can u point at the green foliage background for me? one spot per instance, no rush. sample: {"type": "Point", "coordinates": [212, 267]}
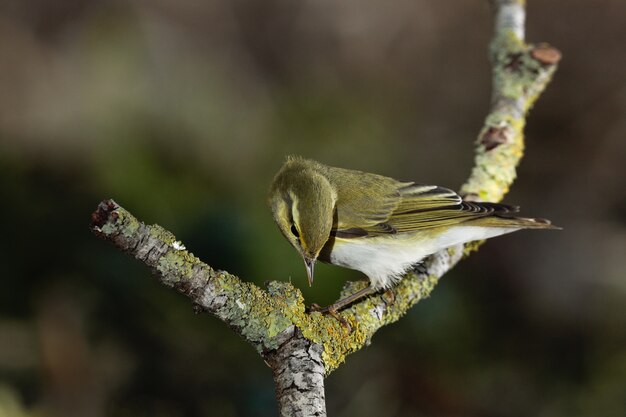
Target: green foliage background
{"type": "Point", "coordinates": [182, 111]}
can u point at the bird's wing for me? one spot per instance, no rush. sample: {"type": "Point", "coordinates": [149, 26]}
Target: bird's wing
{"type": "Point", "coordinates": [413, 207]}
{"type": "Point", "coordinates": [424, 208]}
{"type": "Point", "coordinates": [364, 200]}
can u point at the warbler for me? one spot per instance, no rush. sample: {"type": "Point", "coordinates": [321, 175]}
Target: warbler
{"type": "Point", "coordinates": [376, 224]}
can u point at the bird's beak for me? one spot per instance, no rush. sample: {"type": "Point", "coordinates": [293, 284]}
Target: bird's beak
{"type": "Point", "coordinates": [309, 264]}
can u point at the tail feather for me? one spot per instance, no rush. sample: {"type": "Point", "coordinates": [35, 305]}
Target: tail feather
{"type": "Point", "coordinates": [502, 220]}
{"type": "Point", "coordinates": [503, 215]}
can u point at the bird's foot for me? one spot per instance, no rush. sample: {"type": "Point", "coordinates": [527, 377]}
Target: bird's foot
{"type": "Point", "coordinates": [420, 268]}
{"type": "Point", "coordinates": [389, 296]}
{"type": "Point", "coordinates": [316, 308]}
{"type": "Point", "coordinates": [333, 311]}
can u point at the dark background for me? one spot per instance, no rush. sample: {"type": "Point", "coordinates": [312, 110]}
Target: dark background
{"type": "Point", "coordinates": [183, 110]}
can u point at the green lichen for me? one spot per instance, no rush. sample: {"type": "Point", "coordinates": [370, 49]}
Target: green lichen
{"type": "Point", "coordinates": [533, 93]}
{"type": "Point", "coordinates": [131, 225]}
{"type": "Point", "coordinates": [337, 342]}
{"type": "Point", "coordinates": [505, 42]}
{"type": "Point", "coordinates": [177, 266]}
{"type": "Point", "coordinates": [264, 318]}
{"type": "Point", "coordinates": [121, 222]}
{"type": "Point", "coordinates": [108, 229]}
{"type": "Point", "coordinates": [515, 74]}
{"type": "Point", "coordinates": [250, 309]}
{"type": "Point", "coordinates": [162, 235]}
{"type": "Point", "coordinates": [495, 170]}
{"type": "Point", "coordinates": [259, 315]}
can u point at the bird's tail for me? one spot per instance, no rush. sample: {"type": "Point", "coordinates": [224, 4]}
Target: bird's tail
{"type": "Point", "coordinates": [503, 215]}
{"type": "Point", "coordinates": [516, 222]}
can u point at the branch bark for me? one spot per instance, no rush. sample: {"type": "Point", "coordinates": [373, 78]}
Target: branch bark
{"type": "Point", "coordinates": [302, 348]}
{"type": "Point", "coordinates": [299, 378]}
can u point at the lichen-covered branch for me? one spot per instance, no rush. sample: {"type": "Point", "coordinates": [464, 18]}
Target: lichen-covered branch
{"type": "Point", "coordinates": [520, 72]}
{"type": "Point", "coordinates": [303, 347]}
{"type": "Point", "coordinates": [265, 318]}
{"type": "Point", "coordinates": [257, 315]}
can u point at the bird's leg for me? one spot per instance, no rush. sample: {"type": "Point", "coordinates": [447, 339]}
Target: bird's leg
{"type": "Point", "coordinates": [316, 308]}
{"type": "Point", "coordinates": [334, 308]}
{"type": "Point", "coordinates": [340, 319]}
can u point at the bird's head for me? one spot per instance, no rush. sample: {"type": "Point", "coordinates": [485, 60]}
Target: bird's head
{"type": "Point", "coordinates": [303, 204]}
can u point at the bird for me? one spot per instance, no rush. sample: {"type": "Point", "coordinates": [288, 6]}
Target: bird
{"type": "Point", "coordinates": [376, 224]}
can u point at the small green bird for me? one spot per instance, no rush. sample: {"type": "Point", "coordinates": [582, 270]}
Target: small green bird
{"type": "Point", "coordinates": [375, 224]}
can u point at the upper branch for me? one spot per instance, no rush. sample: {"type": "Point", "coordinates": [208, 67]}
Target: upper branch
{"type": "Point", "coordinates": [520, 72]}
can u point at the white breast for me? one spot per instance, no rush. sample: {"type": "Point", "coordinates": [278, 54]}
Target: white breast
{"type": "Point", "coordinates": [385, 259]}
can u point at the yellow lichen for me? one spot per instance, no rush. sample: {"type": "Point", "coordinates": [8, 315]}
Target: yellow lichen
{"type": "Point", "coordinates": [471, 247]}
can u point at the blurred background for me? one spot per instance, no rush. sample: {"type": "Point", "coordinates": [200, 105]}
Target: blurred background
{"type": "Point", "coordinates": [183, 110]}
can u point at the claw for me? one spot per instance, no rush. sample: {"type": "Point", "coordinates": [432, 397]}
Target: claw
{"type": "Point", "coordinates": [341, 320]}
{"type": "Point", "coordinates": [389, 296]}
{"type": "Point", "coordinates": [331, 311]}
{"type": "Point", "coordinates": [316, 308]}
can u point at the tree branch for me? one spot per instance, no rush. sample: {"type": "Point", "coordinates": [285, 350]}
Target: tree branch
{"type": "Point", "coordinates": [304, 347]}
{"type": "Point", "coordinates": [299, 378]}
{"type": "Point", "coordinates": [520, 73]}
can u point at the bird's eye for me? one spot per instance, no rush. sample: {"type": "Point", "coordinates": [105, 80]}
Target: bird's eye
{"type": "Point", "coordinates": [294, 230]}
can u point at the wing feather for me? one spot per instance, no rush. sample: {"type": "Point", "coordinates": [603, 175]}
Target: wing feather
{"type": "Point", "coordinates": [363, 199]}
{"type": "Point", "coordinates": [413, 207]}
{"type": "Point", "coordinates": [422, 197]}
{"type": "Point", "coordinates": [374, 205]}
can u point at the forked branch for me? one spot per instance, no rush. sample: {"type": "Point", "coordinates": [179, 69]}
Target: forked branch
{"type": "Point", "coordinates": [302, 347]}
